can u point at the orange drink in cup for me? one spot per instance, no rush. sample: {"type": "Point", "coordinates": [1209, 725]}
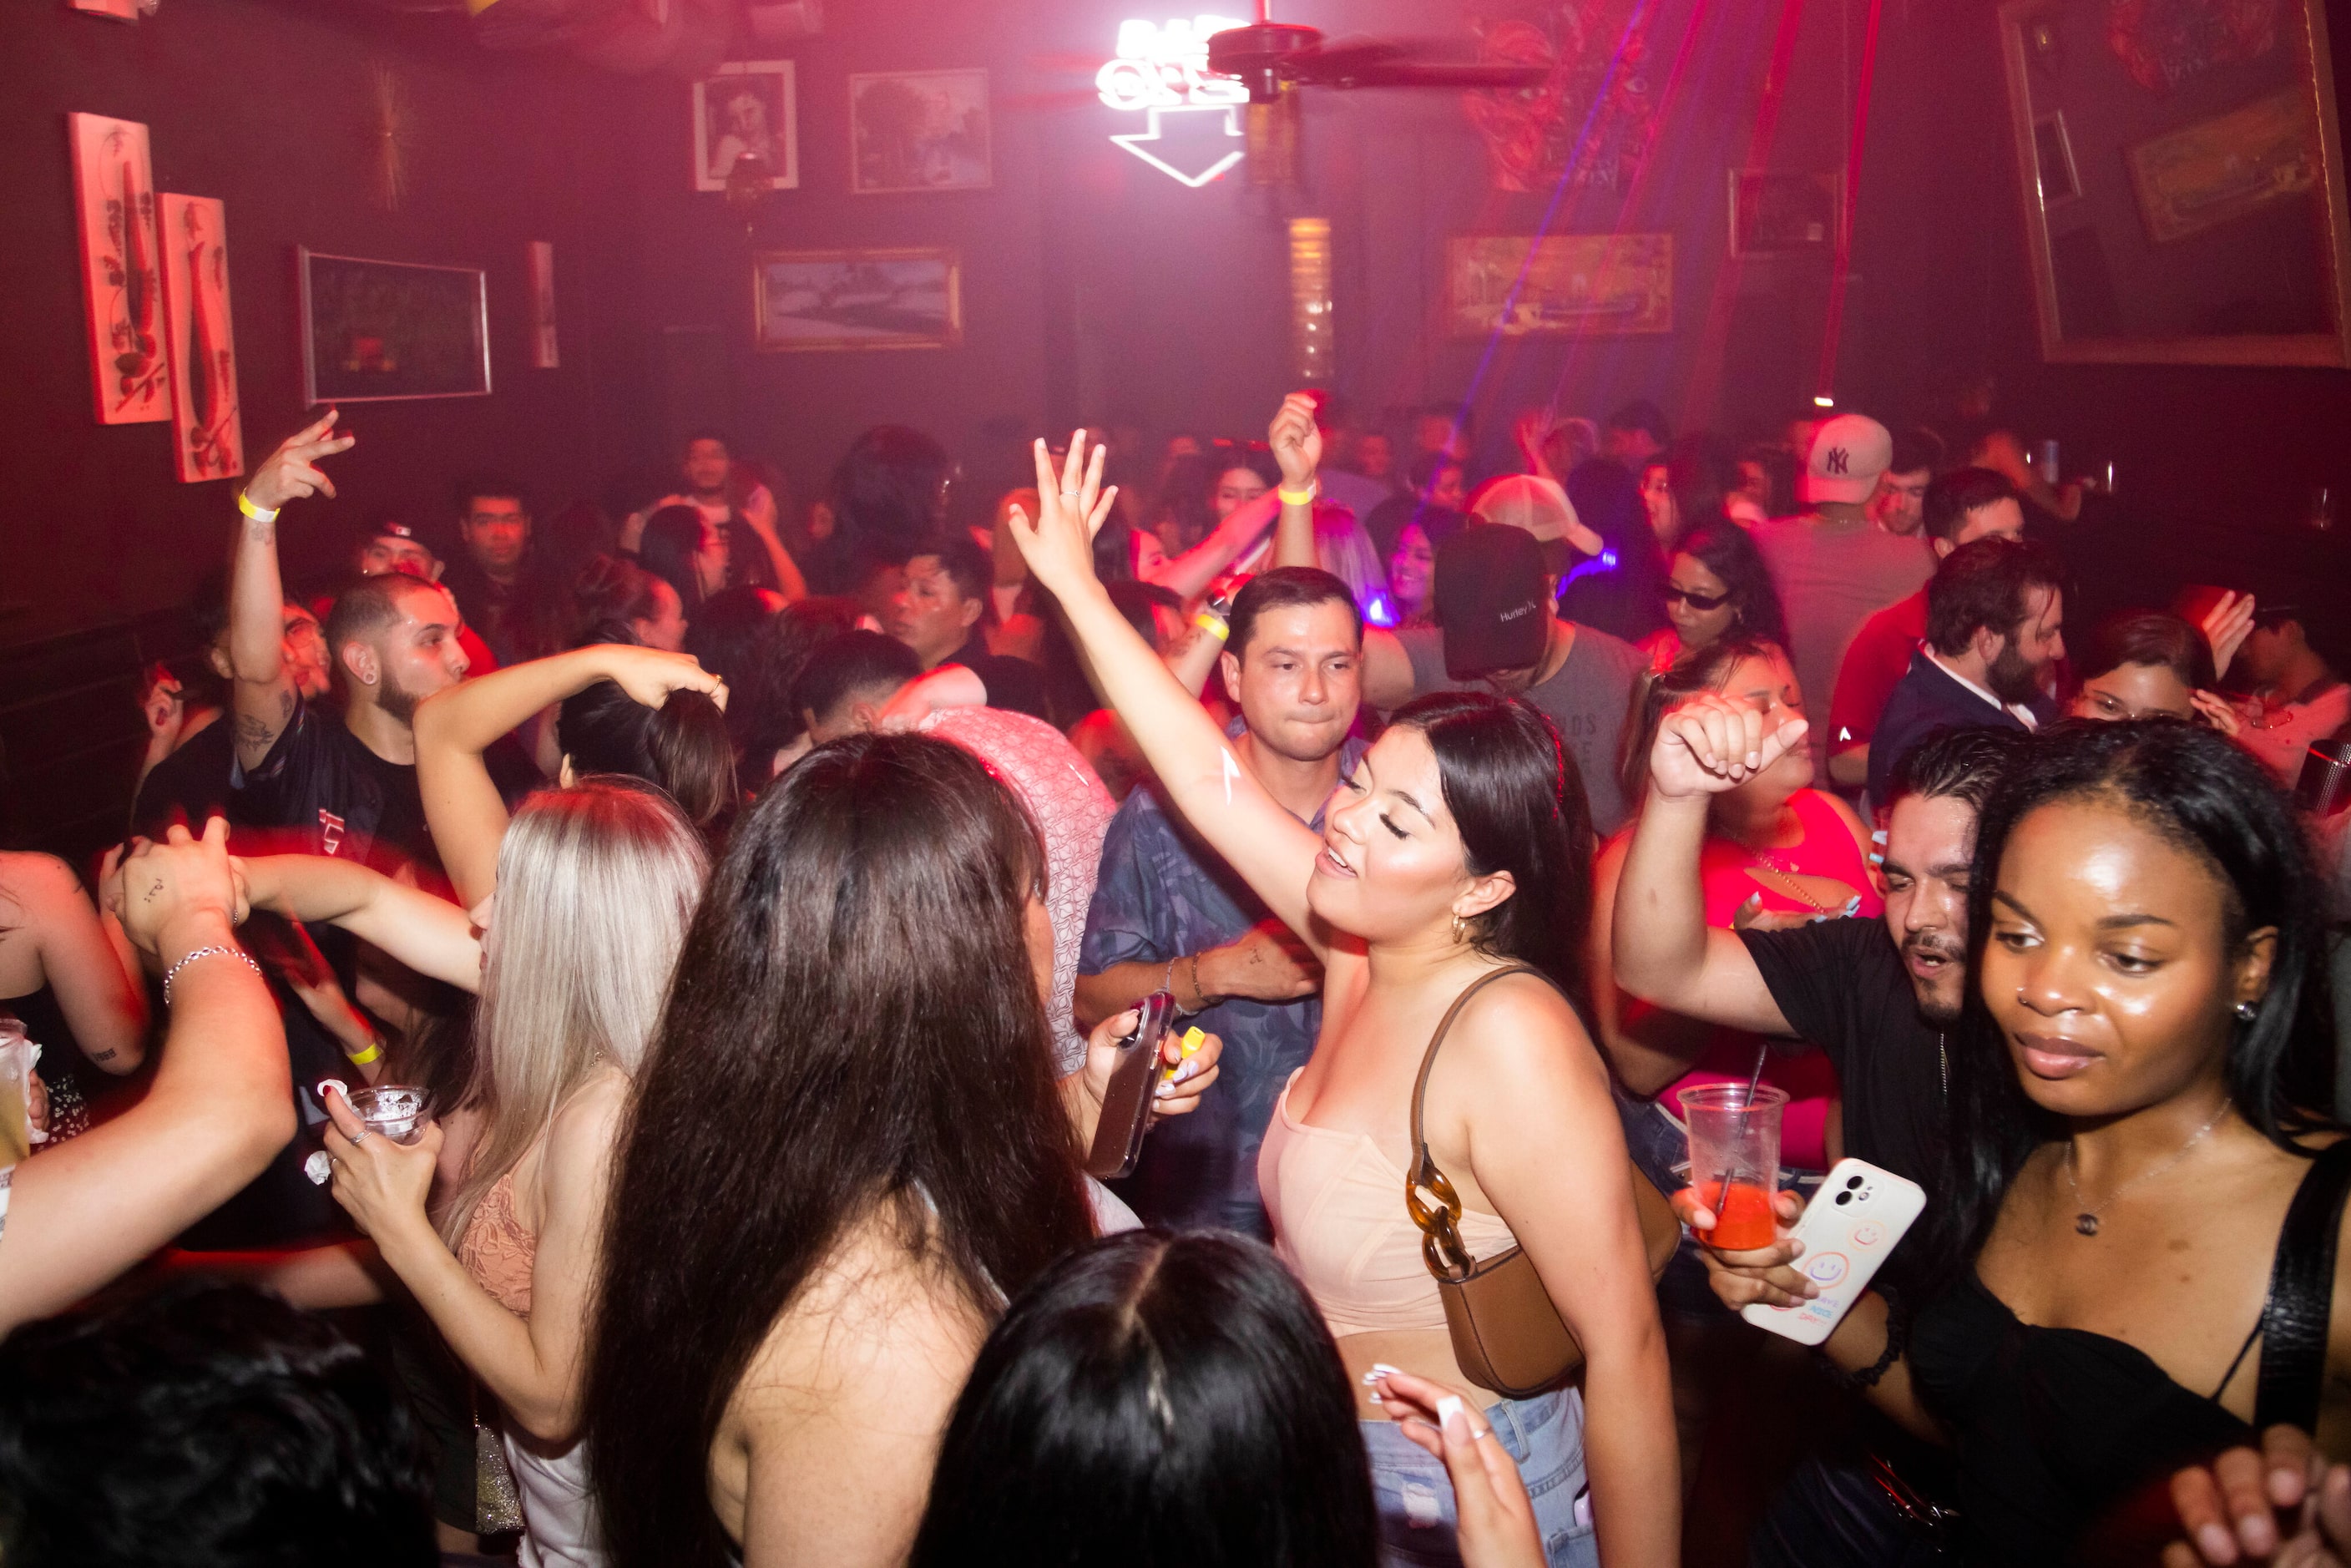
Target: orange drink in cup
{"type": "Point", "coordinates": [1734, 1148]}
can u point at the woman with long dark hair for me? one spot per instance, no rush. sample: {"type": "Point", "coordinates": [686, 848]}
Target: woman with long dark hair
{"type": "Point", "coordinates": [1716, 586]}
{"type": "Point", "coordinates": [1159, 1401]}
{"type": "Point", "coordinates": [847, 1149]}
{"type": "Point", "coordinates": [2133, 1266]}
{"type": "Point", "coordinates": [1455, 855]}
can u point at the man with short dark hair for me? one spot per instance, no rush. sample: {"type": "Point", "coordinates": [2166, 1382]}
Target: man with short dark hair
{"type": "Point", "coordinates": [1833, 567]}
{"type": "Point", "coordinates": [493, 579]}
{"type": "Point", "coordinates": [1878, 998]}
{"type": "Point", "coordinates": [1959, 509]}
{"type": "Point", "coordinates": [939, 611]}
{"type": "Point", "coordinates": [394, 546]}
{"type": "Point", "coordinates": [1995, 630]}
{"type": "Point", "coordinates": [1899, 504]}
{"type": "Point", "coordinates": [1634, 433]}
{"type": "Point", "coordinates": [737, 516]}
{"type": "Point", "coordinates": [2300, 698]}
{"type": "Point", "coordinates": [848, 681]}
{"type": "Point", "coordinates": [1168, 914]}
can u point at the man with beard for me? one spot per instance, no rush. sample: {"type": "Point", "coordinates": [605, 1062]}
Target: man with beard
{"type": "Point", "coordinates": [1995, 630]}
{"type": "Point", "coordinates": [345, 783]}
{"type": "Point", "coordinates": [1877, 1000]}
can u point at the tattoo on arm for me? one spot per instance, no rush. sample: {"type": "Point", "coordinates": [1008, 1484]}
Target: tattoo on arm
{"type": "Point", "coordinates": [254, 730]}
{"type": "Point", "coordinates": [101, 1055]}
{"type": "Point", "coordinates": [258, 532]}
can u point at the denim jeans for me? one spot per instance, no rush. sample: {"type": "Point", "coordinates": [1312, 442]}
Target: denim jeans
{"type": "Point", "coordinates": [1414, 1496]}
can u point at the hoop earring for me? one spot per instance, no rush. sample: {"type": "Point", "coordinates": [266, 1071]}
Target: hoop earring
{"type": "Point", "coordinates": [1460, 930]}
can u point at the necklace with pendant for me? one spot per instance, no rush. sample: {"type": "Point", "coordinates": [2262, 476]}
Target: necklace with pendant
{"type": "Point", "coordinates": [2086, 1221]}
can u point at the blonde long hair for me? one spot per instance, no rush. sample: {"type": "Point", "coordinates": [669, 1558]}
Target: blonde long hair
{"type": "Point", "coordinates": [596, 884]}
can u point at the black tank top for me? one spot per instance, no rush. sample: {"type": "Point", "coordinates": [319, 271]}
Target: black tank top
{"type": "Point", "coordinates": [2055, 1428]}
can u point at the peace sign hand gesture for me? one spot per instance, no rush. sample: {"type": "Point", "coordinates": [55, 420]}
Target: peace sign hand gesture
{"type": "Point", "coordinates": [1059, 545]}
{"type": "Point", "coordinates": [291, 472]}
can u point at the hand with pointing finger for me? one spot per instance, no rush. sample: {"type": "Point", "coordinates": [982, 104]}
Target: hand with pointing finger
{"type": "Point", "coordinates": [291, 472]}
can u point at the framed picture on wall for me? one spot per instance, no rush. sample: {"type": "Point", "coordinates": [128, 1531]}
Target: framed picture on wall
{"type": "Point", "coordinates": [747, 112]}
{"type": "Point", "coordinates": [207, 434]}
{"type": "Point", "coordinates": [1593, 285]}
{"type": "Point", "coordinates": [378, 331]}
{"type": "Point", "coordinates": [832, 299]}
{"type": "Point", "coordinates": [1783, 215]}
{"type": "Point", "coordinates": [919, 130]}
{"type": "Point", "coordinates": [122, 290]}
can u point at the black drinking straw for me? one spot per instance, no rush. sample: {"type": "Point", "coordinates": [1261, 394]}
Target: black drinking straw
{"type": "Point", "coordinates": [1722, 1194]}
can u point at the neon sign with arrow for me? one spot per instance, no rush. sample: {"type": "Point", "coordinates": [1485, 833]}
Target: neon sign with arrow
{"type": "Point", "coordinates": [1161, 70]}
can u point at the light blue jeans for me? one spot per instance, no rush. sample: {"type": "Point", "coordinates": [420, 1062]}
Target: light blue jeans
{"type": "Point", "coordinates": [1414, 1496]}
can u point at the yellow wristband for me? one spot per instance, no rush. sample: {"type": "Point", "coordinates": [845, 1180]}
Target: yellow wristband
{"type": "Point", "coordinates": [258, 514]}
{"type": "Point", "coordinates": [1290, 497]}
{"type": "Point", "coordinates": [374, 1049]}
{"type": "Point", "coordinates": [1213, 625]}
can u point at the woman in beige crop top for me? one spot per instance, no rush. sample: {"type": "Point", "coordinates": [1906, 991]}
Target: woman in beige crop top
{"type": "Point", "coordinates": [595, 885]}
{"type": "Point", "coordinates": [1461, 843]}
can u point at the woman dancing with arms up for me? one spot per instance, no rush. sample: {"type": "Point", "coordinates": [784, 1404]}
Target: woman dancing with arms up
{"type": "Point", "coordinates": [1460, 848]}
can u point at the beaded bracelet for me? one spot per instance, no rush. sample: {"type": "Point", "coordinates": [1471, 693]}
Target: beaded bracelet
{"type": "Point", "coordinates": [172, 974]}
{"type": "Point", "coordinates": [1898, 1340]}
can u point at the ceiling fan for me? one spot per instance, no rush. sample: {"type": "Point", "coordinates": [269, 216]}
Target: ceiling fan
{"type": "Point", "coordinates": [1268, 56]}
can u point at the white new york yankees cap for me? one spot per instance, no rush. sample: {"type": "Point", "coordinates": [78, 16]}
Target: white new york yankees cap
{"type": "Point", "coordinates": [1848, 453]}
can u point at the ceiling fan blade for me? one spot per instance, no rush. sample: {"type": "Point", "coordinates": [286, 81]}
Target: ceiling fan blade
{"type": "Point", "coordinates": [1406, 73]}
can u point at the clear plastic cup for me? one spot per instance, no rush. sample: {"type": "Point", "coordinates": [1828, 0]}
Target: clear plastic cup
{"type": "Point", "coordinates": [1734, 1148]}
{"type": "Point", "coordinates": [392, 1109]}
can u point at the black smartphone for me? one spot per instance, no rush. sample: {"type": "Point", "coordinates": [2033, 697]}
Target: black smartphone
{"type": "Point", "coordinates": [1134, 1085]}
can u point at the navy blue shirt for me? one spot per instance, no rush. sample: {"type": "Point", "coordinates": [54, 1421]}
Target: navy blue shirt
{"type": "Point", "coordinates": [1929, 698]}
{"type": "Point", "coordinates": [1162, 892]}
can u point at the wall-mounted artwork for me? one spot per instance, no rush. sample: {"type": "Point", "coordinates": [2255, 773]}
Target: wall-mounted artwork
{"type": "Point", "coordinates": [857, 300]}
{"type": "Point", "coordinates": [544, 354]}
{"type": "Point", "coordinates": [1783, 215]}
{"type": "Point", "coordinates": [1595, 285]}
{"type": "Point", "coordinates": [1591, 121]}
{"type": "Point", "coordinates": [374, 332]}
{"type": "Point", "coordinates": [207, 434]}
{"type": "Point", "coordinates": [2221, 168]}
{"type": "Point", "coordinates": [746, 111]}
{"type": "Point", "coordinates": [919, 130]}
{"type": "Point", "coordinates": [114, 196]}
{"type": "Point", "coordinates": [2180, 168]}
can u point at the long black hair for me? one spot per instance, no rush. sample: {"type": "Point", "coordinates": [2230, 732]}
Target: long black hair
{"type": "Point", "coordinates": [1728, 551]}
{"type": "Point", "coordinates": [854, 1031]}
{"type": "Point", "coordinates": [1518, 800]}
{"type": "Point", "coordinates": [2200, 792]}
{"type": "Point", "coordinates": [1156, 1401]}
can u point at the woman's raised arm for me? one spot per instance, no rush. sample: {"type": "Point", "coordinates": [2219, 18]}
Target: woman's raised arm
{"type": "Point", "coordinates": [1273, 851]}
{"type": "Point", "coordinates": [430, 936]}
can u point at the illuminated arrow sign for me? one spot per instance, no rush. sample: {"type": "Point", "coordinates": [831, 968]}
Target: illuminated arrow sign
{"type": "Point", "coordinates": [1170, 155]}
{"type": "Point", "coordinates": [1162, 69]}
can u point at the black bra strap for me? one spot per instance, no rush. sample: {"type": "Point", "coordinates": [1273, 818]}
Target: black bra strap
{"type": "Point", "coordinates": [2301, 1295]}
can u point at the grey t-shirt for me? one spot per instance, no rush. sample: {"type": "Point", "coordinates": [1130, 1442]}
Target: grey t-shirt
{"type": "Point", "coordinates": [1833, 576]}
{"type": "Point", "coordinates": [1587, 697]}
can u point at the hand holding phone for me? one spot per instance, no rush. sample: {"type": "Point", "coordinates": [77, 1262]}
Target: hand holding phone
{"type": "Point", "coordinates": [1848, 1231]}
{"type": "Point", "coordinates": [1133, 1086]}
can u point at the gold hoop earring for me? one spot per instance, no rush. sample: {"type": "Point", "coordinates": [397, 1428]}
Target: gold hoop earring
{"type": "Point", "coordinates": [1461, 931]}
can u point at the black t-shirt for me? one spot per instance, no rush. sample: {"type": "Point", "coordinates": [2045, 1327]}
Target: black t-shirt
{"type": "Point", "coordinates": [1015, 685]}
{"type": "Point", "coordinates": [191, 785]}
{"type": "Point", "coordinates": [1842, 986]}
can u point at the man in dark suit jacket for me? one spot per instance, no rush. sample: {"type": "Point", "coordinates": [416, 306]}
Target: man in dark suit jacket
{"type": "Point", "coordinates": [1995, 630]}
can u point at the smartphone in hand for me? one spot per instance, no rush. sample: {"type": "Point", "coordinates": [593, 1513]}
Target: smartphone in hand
{"type": "Point", "coordinates": [1848, 1230]}
{"type": "Point", "coordinates": [1133, 1086]}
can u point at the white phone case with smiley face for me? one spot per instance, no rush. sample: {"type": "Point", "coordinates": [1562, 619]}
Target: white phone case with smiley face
{"type": "Point", "coordinates": [1848, 1230]}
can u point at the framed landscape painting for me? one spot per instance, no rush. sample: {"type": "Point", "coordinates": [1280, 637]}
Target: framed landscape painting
{"type": "Point", "coordinates": [374, 332]}
{"type": "Point", "coordinates": [919, 130]}
{"type": "Point", "coordinates": [819, 300]}
{"type": "Point", "coordinates": [1596, 285]}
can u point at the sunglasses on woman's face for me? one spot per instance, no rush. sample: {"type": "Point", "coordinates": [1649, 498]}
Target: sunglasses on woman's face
{"type": "Point", "coordinates": [1698, 602]}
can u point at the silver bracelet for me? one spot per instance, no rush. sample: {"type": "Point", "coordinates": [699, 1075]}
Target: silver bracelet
{"type": "Point", "coordinates": [239, 954]}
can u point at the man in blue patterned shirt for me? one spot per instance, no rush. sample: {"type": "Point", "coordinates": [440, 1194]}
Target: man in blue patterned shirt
{"type": "Point", "coordinates": [1168, 912]}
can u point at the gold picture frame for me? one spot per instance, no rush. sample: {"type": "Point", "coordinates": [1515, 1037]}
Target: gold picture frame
{"type": "Point", "coordinates": [815, 301]}
{"type": "Point", "coordinates": [1602, 285]}
{"type": "Point", "coordinates": [2174, 168]}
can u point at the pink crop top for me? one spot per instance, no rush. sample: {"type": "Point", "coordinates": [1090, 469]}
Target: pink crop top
{"type": "Point", "coordinates": [1336, 1200]}
{"type": "Point", "coordinates": [496, 1251]}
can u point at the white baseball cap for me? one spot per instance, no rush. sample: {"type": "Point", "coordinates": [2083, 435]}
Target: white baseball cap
{"type": "Point", "coordinates": [1848, 453]}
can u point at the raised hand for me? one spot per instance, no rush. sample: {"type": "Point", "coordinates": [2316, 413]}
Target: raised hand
{"type": "Point", "coordinates": [650, 674]}
{"type": "Point", "coordinates": [1710, 744]}
{"type": "Point", "coordinates": [2225, 627]}
{"type": "Point", "coordinates": [1072, 506]}
{"type": "Point", "coordinates": [1296, 440]}
{"type": "Point", "coordinates": [163, 705]}
{"type": "Point", "coordinates": [2214, 710]}
{"type": "Point", "coordinates": [291, 472]}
